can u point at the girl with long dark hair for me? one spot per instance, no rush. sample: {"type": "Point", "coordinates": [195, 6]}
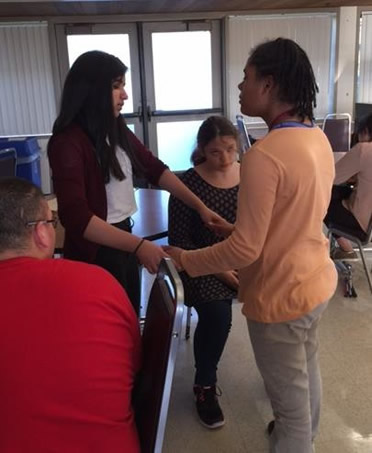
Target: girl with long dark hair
{"type": "Point", "coordinates": [94, 157]}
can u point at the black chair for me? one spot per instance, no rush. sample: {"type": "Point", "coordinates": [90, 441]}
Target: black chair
{"type": "Point", "coordinates": [245, 141]}
{"type": "Point", "coordinates": [160, 338]}
{"type": "Point", "coordinates": [8, 162]}
{"type": "Point", "coordinates": [361, 241]}
{"type": "Point", "coordinates": [337, 128]}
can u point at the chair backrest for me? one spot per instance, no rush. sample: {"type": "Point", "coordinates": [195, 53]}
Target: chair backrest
{"type": "Point", "coordinates": [160, 338]}
{"type": "Point", "coordinates": [369, 232]}
{"type": "Point", "coordinates": [337, 127]}
{"type": "Point", "coordinates": [8, 162]}
{"type": "Point", "coordinates": [245, 141]}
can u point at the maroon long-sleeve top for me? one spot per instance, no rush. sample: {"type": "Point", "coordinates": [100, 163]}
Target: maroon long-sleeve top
{"type": "Point", "coordinates": [79, 185]}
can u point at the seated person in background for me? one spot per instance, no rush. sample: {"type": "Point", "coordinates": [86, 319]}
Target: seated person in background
{"type": "Point", "coordinates": [214, 179]}
{"type": "Point", "coordinates": [69, 340]}
{"type": "Point", "coordinates": [351, 207]}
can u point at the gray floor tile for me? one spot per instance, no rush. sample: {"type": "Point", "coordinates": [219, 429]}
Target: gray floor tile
{"type": "Point", "coordinates": [346, 360]}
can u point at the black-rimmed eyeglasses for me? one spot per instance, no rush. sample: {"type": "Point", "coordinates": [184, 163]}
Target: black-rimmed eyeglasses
{"type": "Point", "coordinates": [53, 221]}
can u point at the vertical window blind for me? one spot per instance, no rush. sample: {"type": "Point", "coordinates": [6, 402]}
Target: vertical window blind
{"type": "Point", "coordinates": [313, 32]}
{"type": "Point", "coordinates": [364, 92]}
{"type": "Point", "coordinates": [28, 104]}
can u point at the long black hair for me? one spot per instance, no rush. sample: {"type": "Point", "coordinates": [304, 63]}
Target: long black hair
{"type": "Point", "coordinates": [87, 101]}
{"type": "Point", "coordinates": [362, 126]}
{"type": "Point", "coordinates": [365, 126]}
{"type": "Point", "coordinates": [292, 72]}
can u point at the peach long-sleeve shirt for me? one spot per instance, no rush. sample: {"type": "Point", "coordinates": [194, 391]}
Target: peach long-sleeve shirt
{"type": "Point", "coordinates": [278, 244]}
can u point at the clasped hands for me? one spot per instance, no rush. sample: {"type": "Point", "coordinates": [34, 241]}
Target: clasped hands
{"type": "Point", "coordinates": [230, 278]}
{"type": "Point", "coordinates": [216, 223]}
{"type": "Point", "coordinates": [175, 254]}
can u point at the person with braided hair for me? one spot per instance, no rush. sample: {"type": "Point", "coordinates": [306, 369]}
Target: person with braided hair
{"type": "Point", "coordinates": [286, 276]}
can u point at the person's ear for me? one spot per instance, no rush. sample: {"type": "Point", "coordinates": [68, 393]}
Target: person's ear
{"type": "Point", "coordinates": [268, 84]}
{"type": "Point", "coordinates": [43, 238]}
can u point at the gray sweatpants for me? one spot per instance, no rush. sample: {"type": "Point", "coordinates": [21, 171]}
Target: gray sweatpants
{"type": "Point", "coordinates": [286, 354]}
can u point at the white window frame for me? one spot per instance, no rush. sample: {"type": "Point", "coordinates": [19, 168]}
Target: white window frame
{"type": "Point", "coordinates": [217, 98]}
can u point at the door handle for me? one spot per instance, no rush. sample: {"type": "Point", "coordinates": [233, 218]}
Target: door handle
{"type": "Point", "coordinates": [149, 113]}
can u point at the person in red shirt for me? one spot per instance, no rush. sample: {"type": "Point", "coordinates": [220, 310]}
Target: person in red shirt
{"type": "Point", "coordinates": [69, 340]}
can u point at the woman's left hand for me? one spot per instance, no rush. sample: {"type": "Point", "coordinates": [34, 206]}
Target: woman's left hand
{"type": "Point", "coordinates": [215, 222]}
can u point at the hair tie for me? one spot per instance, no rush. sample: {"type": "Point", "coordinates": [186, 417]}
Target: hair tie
{"type": "Point", "coordinates": [138, 245]}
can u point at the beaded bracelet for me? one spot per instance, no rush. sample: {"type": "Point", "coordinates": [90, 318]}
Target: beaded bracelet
{"type": "Point", "coordinates": [139, 245]}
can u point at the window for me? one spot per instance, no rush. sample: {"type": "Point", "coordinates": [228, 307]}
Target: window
{"type": "Point", "coordinates": [183, 85]}
{"type": "Point", "coordinates": [364, 77]}
{"type": "Point", "coordinates": [174, 77]}
{"type": "Point", "coordinates": [115, 44]}
{"type": "Point", "coordinates": [186, 83]}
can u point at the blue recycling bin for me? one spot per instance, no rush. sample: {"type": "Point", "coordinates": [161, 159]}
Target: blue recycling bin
{"type": "Point", "coordinates": [8, 161]}
{"type": "Point", "coordinates": [28, 157]}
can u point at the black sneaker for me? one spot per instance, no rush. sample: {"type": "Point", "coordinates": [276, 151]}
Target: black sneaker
{"type": "Point", "coordinates": [209, 411]}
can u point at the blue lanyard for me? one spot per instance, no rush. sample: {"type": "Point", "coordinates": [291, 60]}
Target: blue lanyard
{"type": "Point", "coordinates": [292, 124]}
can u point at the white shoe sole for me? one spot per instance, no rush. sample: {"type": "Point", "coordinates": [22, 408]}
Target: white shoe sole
{"type": "Point", "coordinates": [214, 426]}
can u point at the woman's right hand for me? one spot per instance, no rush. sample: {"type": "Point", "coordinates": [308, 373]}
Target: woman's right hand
{"type": "Point", "coordinates": [230, 278]}
{"type": "Point", "coordinates": [222, 228]}
{"type": "Point", "coordinates": [150, 256]}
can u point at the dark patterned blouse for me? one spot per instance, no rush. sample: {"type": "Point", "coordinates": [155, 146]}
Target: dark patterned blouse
{"type": "Point", "coordinates": [187, 230]}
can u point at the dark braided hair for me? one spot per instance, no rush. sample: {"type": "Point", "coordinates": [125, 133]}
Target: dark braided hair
{"type": "Point", "coordinates": [292, 72]}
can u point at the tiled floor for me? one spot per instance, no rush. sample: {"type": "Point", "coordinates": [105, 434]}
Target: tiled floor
{"type": "Point", "coordinates": [346, 360]}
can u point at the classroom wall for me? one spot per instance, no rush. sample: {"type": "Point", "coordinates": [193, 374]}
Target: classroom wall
{"type": "Point", "coordinates": [345, 71]}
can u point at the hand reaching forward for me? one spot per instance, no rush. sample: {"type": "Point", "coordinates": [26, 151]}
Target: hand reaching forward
{"type": "Point", "coordinates": [150, 256]}
{"type": "Point", "coordinates": [175, 254]}
{"type": "Point", "coordinates": [223, 228]}
{"type": "Point", "coordinates": [215, 222]}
